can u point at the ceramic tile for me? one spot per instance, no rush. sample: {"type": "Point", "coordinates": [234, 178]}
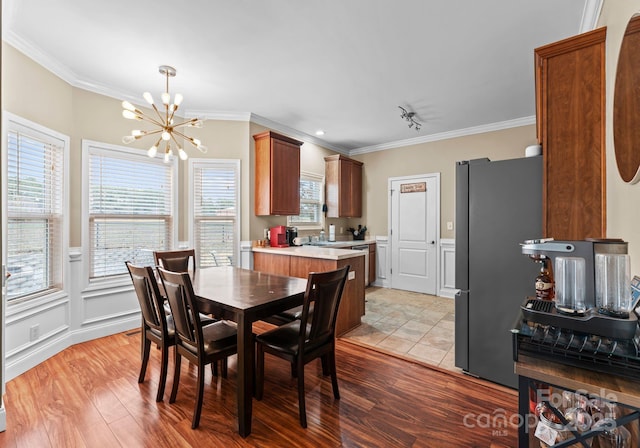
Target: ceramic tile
{"type": "Point", "coordinates": [415, 325]}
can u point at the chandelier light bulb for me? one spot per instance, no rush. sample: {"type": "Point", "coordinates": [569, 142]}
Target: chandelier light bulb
{"type": "Point", "coordinates": [148, 98]}
{"type": "Point", "coordinates": [202, 148]}
{"type": "Point", "coordinates": [183, 155]}
{"type": "Point", "coordinates": [177, 100]}
{"type": "Point", "coordinates": [128, 139]}
{"type": "Point", "coordinates": [195, 123]}
{"type": "Point", "coordinates": [166, 157]}
{"type": "Point", "coordinates": [166, 98]}
{"type": "Point", "coordinates": [128, 106]}
{"type": "Point", "coordinates": [129, 115]}
{"type": "Point", "coordinates": [152, 151]}
{"type": "Point", "coordinates": [166, 136]}
{"type": "Point", "coordinates": [138, 133]}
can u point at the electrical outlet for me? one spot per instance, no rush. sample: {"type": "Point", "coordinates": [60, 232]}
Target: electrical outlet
{"type": "Point", "coordinates": [34, 332]}
{"type": "Point", "coordinates": [341, 230]}
{"type": "Point", "coordinates": [449, 225]}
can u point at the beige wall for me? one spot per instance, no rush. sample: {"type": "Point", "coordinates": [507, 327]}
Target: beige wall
{"type": "Point", "coordinates": [36, 94]}
{"type": "Point", "coordinates": [435, 157]}
{"type": "Point", "coordinates": [623, 200]}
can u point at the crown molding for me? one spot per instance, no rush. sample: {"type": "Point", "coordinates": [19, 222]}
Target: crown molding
{"type": "Point", "coordinates": [218, 115]}
{"type": "Point", "coordinates": [447, 135]}
{"type": "Point", "coordinates": [590, 15]}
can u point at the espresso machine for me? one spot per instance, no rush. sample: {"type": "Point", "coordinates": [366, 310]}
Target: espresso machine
{"type": "Point", "coordinates": [593, 312]}
{"type": "Point", "coordinates": [596, 336]}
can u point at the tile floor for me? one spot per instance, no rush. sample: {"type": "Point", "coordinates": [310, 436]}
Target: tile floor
{"type": "Point", "coordinates": [409, 324]}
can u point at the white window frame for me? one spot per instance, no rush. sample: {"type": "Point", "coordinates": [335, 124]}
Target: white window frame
{"type": "Point", "coordinates": [12, 122]}
{"type": "Point", "coordinates": [234, 164]}
{"type": "Point", "coordinates": [319, 226]}
{"type": "Point", "coordinates": [93, 147]}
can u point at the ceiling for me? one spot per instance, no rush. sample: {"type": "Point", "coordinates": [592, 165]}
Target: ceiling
{"type": "Point", "coordinates": [463, 66]}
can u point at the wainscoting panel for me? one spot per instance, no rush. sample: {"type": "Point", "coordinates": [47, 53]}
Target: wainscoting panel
{"type": "Point", "coordinates": [447, 268]}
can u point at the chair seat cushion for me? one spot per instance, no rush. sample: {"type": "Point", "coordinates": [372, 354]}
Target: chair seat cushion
{"type": "Point", "coordinates": [219, 335]}
{"type": "Point", "coordinates": [294, 313]}
{"type": "Point", "coordinates": [284, 339]}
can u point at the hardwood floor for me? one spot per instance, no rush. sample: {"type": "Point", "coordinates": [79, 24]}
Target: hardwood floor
{"type": "Point", "coordinates": [88, 396]}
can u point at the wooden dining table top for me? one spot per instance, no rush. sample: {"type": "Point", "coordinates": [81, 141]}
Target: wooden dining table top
{"type": "Point", "coordinates": [241, 290]}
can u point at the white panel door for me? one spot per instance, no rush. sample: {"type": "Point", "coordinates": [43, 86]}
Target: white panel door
{"type": "Point", "coordinates": [415, 210]}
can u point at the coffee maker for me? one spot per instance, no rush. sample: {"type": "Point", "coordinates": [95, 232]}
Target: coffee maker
{"type": "Point", "coordinates": [592, 319]}
{"type": "Point", "coordinates": [549, 248]}
{"type": "Point", "coordinates": [278, 237]}
{"type": "Point", "coordinates": [292, 234]}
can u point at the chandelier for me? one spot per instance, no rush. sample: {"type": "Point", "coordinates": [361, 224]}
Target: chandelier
{"type": "Point", "coordinates": [409, 117]}
{"type": "Point", "coordinates": [166, 128]}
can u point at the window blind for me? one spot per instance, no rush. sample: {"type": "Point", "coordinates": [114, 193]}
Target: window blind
{"type": "Point", "coordinates": [34, 185]}
{"type": "Point", "coordinates": [311, 200]}
{"type": "Point", "coordinates": [130, 210]}
{"type": "Point", "coordinates": [215, 213]}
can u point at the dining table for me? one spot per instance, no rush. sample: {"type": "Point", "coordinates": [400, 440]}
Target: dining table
{"type": "Point", "coordinates": [245, 296]}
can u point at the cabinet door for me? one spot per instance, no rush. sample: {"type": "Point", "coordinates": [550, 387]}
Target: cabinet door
{"type": "Point", "coordinates": [570, 82]}
{"type": "Point", "coordinates": [271, 263]}
{"type": "Point", "coordinates": [356, 190]}
{"type": "Point", "coordinates": [285, 178]}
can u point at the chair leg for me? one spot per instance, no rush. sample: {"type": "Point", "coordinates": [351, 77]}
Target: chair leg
{"type": "Point", "coordinates": [259, 386]}
{"type": "Point", "coordinates": [224, 367]}
{"type": "Point", "coordinates": [176, 376]}
{"type": "Point", "coordinates": [199, 397]}
{"type": "Point", "coordinates": [334, 375]}
{"type": "Point", "coordinates": [146, 348]}
{"type": "Point", "coordinates": [326, 368]}
{"type": "Point", "coordinates": [163, 372]}
{"type": "Point", "coordinates": [214, 368]}
{"type": "Point", "coordinates": [301, 402]}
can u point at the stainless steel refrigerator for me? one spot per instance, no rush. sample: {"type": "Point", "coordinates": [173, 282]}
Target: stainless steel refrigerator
{"type": "Point", "coordinates": [498, 206]}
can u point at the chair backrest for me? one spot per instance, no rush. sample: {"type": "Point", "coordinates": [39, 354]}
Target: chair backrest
{"type": "Point", "coordinates": [148, 293]}
{"type": "Point", "coordinates": [181, 298]}
{"type": "Point", "coordinates": [176, 260]}
{"type": "Point", "coordinates": [324, 291]}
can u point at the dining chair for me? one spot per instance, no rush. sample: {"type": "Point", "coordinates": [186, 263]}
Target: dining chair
{"type": "Point", "coordinates": [200, 345]}
{"type": "Point", "coordinates": [176, 260]}
{"type": "Point", "coordinates": [310, 337]}
{"type": "Point", "coordinates": [157, 326]}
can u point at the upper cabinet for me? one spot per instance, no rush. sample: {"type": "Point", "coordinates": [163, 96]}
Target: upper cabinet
{"type": "Point", "coordinates": [570, 108]}
{"type": "Point", "coordinates": [343, 177]}
{"type": "Point", "coordinates": [277, 182]}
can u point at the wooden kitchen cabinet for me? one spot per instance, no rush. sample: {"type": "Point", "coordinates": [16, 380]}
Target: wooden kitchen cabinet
{"type": "Point", "coordinates": [352, 306]}
{"type": "Point", "coordinates": [570, 108]}
{"type": "Point", "coordinates": [277, 174]}
{"type": "Point", "coordinates": [343, 179]}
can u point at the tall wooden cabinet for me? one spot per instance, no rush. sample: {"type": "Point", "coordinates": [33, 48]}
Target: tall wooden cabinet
{"type": "Point", "coordinates": [277, 174]}
{"type": "Point", "coordinates": [570, 108]}
{"type": "Point", "coordinates": [343, 178]}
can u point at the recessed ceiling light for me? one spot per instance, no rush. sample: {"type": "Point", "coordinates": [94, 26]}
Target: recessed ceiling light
{"type": "Point", "coordinates": [319, 132]}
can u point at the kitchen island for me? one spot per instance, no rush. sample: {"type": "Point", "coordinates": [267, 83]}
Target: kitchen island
{"type": "Point", "coordinates": [298, 261]}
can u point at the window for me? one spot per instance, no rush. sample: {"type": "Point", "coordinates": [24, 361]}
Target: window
{"type": "Point", "coordinates": [215, 221]}
{"type": "Point", "coordinates": [35, 161]}
{"type": "Point", "coordinates": [130, 202]}
{"type": "Point", "coordinates": [311, 201]}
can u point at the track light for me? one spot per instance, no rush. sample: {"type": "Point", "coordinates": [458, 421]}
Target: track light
{"type": "Point", "coordinates": [409, 116]}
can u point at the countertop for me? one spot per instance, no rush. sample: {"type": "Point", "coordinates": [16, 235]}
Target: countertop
{"type": "Point", "coordinates": [327, 253]}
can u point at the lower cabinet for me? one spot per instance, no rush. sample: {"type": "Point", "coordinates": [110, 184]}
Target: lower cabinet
{"type": "Point", "coordinates": [352, 303]}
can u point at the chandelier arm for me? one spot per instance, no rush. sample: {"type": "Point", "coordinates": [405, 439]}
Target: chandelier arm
{"type": "Point", "coordinates": [186, 137]}
{"type": "Point", "coordinates": [185, 123]}
{"type": "Point", "coordinates": [158, 112]}
{"type": "Point", "coordinates": [152, 120]}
